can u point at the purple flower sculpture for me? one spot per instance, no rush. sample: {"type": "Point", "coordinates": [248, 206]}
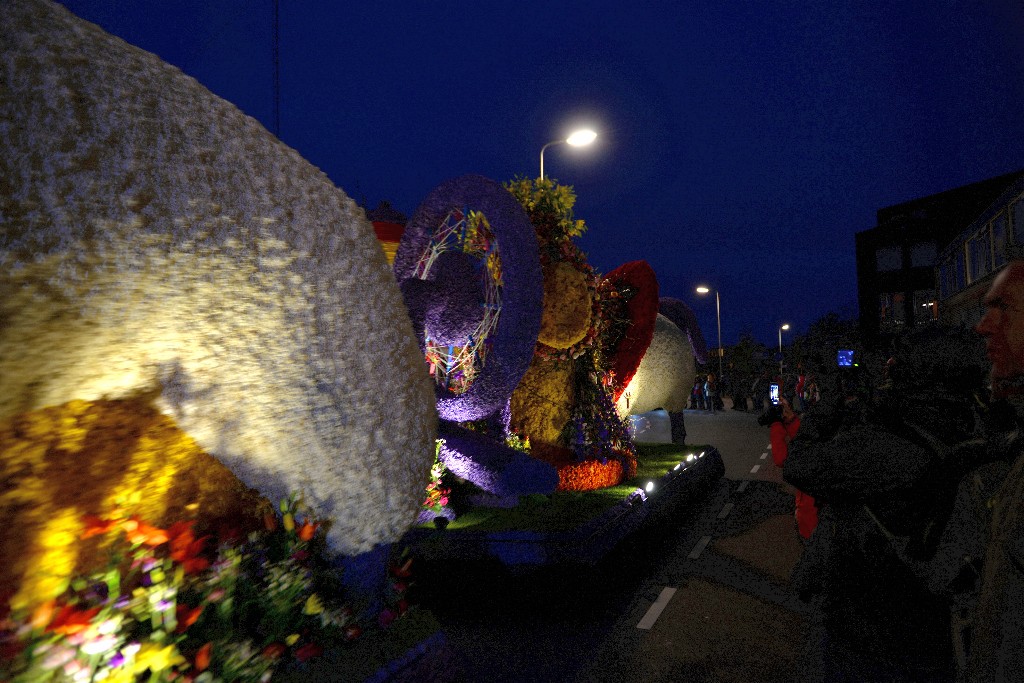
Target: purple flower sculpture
{"type": "Point", "coordinates": [682, 316]}
{"type": "Point", "coordinates": [492, 465]}
{"type": "Point", "coordinates": [448, 301]}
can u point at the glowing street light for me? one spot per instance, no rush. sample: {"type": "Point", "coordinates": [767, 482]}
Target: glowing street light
{"type": "Point", "coordinates": [579, 138]}
{"type": "Point", "coordinates": [784, 327]}
{"type": "Point", "coordinates": [718, 312]}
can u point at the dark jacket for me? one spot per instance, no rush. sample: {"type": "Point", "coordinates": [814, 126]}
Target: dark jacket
{"type": "Point", "coordinates": [887, 485]}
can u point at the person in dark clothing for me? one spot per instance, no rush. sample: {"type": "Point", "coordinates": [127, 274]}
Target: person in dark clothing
{"type": "Point", "coordinates": [759, 390]}
{"type": "Point", "coordinates": [711, 393]}
{"type": "Point", "coordinates": [697, 394]}
{"type": "Point", "coordinates": [886, 467]}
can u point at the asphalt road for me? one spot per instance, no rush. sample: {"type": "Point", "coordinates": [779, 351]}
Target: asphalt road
{"type": "Point", "coordinates": [700, 594]}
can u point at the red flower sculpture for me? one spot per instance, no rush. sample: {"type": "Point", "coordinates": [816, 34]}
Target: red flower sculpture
{"type": "Point", "coordinates": [635, 283]}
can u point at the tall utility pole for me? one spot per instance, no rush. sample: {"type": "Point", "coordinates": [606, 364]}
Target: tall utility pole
{"type": "Point", "coordinates": [277, 68]}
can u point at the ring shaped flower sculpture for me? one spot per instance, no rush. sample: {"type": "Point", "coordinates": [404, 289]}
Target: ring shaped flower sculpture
{"type": "Point", "coordinates": [468, 269]}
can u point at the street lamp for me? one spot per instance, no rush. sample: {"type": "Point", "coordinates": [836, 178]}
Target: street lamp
{"type": "Point", "coordinates": [579, 138]}
{"type": "Point", "coordinates": [784, 327]}
{"type": "Point", "coordinates": [718, 312]}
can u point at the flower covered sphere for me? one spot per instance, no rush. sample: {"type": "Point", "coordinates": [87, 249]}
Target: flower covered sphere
{"type": "Point", "coordinates": [664, 376]}
{"type": "Point", "coordinates": [159, 243]}
{"type": "Point", "coordinates": [542, 403]}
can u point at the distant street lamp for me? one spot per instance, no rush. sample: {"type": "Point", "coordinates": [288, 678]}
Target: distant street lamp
{"type": "Point", "coordinates": [784, 327]}
{"type": "Point", "coordinates": [579, 138]}
{"type": "Point", "coordinates": [718, 313]}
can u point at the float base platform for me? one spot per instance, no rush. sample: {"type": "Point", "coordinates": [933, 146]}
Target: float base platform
{"type": "Point", "coordinates": [572, 527]}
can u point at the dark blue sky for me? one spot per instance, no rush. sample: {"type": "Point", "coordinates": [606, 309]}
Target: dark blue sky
{"type": "Point", "coordinates": [741, 144]}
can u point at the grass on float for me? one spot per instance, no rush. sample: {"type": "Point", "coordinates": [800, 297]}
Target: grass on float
{"type": "Point", "coordinates": [567, 510]}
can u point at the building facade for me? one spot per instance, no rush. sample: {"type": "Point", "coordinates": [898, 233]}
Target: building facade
{"type": "Point", "coordinates": [897, 277]}
{"type": "Point", "coordinates": [967, 265]}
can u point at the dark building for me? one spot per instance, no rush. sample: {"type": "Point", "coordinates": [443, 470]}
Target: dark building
{"type": "Point", "coordinates": [896, 260]}
{"type": "Point", "coordinates": [968, 264]}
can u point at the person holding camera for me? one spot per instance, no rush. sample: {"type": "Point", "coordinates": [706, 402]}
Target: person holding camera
{"type": "Point", "coordinates": [783, 424]}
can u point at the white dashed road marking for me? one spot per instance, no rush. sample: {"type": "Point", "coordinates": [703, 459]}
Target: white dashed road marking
{"type": "Point", "coordinates": [754, 469]}
{"type": "Point", "coordinates": [764, 456]}
{"type": "Point", "coordinates": [655, 610]}
{"type": "Point", "coordinates": [699, 548]}
{"type": "Point", "coordinates": [743, 486]}
{"type": "Point", "coordinates": [726, 509]}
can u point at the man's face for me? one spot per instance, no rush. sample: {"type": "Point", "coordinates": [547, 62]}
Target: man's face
{"type": "Point", "coordinates": [1003, 323]}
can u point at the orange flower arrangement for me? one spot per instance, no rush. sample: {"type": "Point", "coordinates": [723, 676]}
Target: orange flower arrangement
{"type": "Point", "coordinates": [591, 474]}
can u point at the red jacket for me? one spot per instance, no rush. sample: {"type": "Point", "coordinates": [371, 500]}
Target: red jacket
{"type": "Point", "coordinates": [806, 509]}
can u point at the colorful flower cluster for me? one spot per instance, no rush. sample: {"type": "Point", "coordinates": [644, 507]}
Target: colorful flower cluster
{"type": "Point", "coordinates": [171, 606]}
{"type": "Point", "coordinates": [597, 432]}
{"type": "Point", "coordinates": [549, 206]}
{"type": "Point", "coordinates": [437, 492]}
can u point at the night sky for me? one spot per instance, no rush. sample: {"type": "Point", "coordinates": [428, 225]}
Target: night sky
{"type": "Point", "coordinates": [741, 144]}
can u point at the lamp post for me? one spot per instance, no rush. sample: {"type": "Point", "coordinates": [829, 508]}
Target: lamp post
{"type": "Point", "coordinates": [718, 313]}
{"type": "Point", "coordinates": [784, 327]}
{"type": "Point", "coordinates": [579, 138]}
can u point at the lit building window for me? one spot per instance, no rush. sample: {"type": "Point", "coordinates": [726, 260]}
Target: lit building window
{"type": "Point", "coordinates": [926, 309]}
{"type": "Point", "coordinates": [889, 258]}
{"type": "Point", "coordinates": [891, 310]}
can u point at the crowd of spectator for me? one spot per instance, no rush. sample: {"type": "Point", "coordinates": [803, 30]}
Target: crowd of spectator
{"type": "Point", "coordinates": [908, 472]}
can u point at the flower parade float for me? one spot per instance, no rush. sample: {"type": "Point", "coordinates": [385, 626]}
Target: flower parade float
{"type": "Point", "coordinates": [591, 337]}
{"type": "Point", "coordinates": [197, 324]}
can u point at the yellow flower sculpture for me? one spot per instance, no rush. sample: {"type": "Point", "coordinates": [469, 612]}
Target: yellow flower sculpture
{"type": "Point", "coordinates": [542, 402]}
{"type": "Point", "coordinates": [59, 464]}
{"type": "Point", "coordinates": [567, 313]}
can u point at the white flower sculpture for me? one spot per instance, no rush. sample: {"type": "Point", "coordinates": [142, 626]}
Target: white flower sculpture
{"type": "Point", "coordinates": [157, 241]}
{"type": "Point", "coordinates": [665, 375]}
